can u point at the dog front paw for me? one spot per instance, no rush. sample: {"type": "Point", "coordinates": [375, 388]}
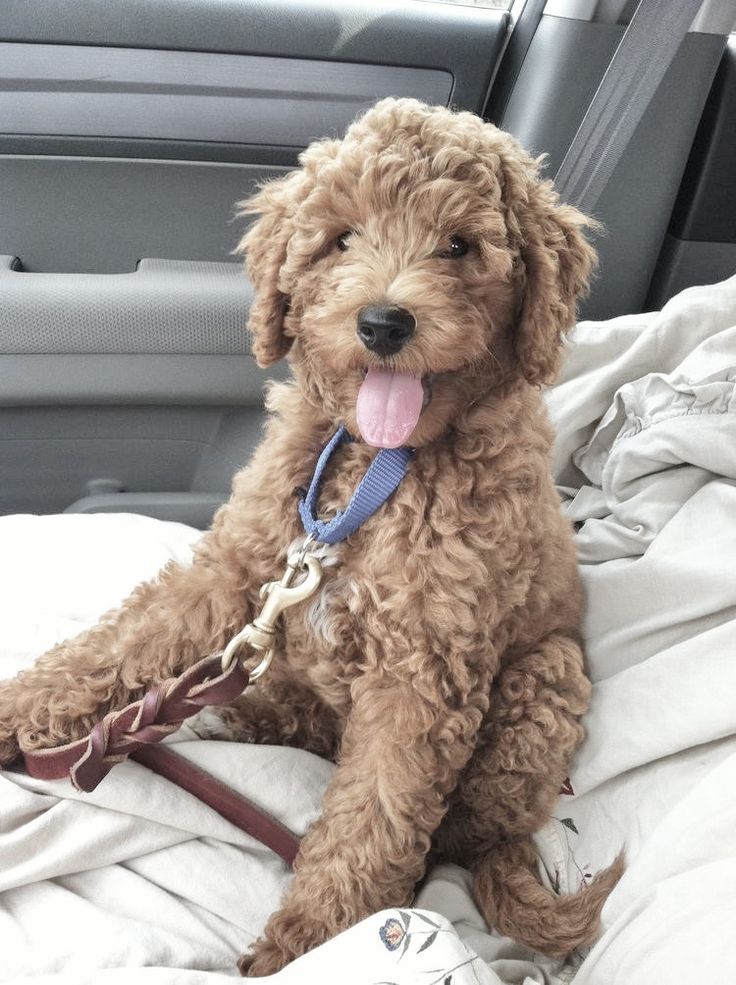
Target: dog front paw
{"type": "Point", "coordinates": [264, 958]}
{"type": "Point", "coordinates": [288, 935]}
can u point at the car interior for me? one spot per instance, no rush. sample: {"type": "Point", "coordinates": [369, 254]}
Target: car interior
{"type": "Point", "coordinates": [129, 130]}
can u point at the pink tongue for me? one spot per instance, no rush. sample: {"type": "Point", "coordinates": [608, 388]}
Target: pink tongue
{"type": "Point", "coordinates": [388, 408]}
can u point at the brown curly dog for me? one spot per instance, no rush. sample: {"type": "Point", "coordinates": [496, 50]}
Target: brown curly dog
{"type": "Point", "coordinates": [440, 665]}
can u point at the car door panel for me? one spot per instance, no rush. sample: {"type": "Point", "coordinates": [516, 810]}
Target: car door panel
{"type": "Point", "coordinates": [203, 96]}
{"type": "Point", "coordinates": [129, 129]}
{"type": "Point", "coordinates": [127, 133]}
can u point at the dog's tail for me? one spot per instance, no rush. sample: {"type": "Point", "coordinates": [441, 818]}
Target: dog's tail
{"type": "Point", "coordinates": [515, 903]}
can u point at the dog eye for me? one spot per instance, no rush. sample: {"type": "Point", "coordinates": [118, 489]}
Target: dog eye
{"type": "Point", "coordinates": [342, 240]}
{"type": "Point", "coordinates": [457, 247]}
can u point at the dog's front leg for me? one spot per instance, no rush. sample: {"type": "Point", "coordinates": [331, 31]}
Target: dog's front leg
{"type": "Point", "coordinates": [401, 755]}
{"type": "Point", "coordinates": [166, 625]}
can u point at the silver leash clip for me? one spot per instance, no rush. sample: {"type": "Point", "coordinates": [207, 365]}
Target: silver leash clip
{"type": "Point", "coordinates": [277, 596]}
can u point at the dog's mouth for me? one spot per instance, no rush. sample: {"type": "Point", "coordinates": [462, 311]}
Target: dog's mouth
{"type": "Point", "coordinates": [389, 405]}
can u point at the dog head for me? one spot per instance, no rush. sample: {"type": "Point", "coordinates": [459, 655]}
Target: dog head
{"type": "Point", "coordinates": [411, 267]}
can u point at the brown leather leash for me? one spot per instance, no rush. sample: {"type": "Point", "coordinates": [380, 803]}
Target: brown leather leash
{"type": "Point", "coordinates": [134, 731]}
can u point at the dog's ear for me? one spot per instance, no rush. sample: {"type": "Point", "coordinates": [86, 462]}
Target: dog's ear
{"type": "Point", "coordinates": [554, 268]}
{"type": "Point", "coordinates": [264, 245]}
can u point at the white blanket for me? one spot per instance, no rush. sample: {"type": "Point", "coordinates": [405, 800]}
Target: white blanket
{"type": "Point", "coordinates": [646, 413]}
{"type": "Point", "coordinates": [141, 875]}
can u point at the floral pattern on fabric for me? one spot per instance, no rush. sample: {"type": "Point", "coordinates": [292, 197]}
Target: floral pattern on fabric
{"type": "Point", "coordinates": [399, 932]}
{"type": "Point", "coordinates": [392, 933]}
{"type": "Point", "coordinates": [585, 875]}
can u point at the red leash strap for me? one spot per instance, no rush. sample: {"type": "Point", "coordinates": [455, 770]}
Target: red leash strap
{"type": "Point", "coordinates": [232, 806]}
{"type": "Point", "coordinates": [134, 731]}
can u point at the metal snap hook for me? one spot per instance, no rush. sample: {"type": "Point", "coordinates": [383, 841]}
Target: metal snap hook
{"type": "Point", "coordinates": [277, 596]}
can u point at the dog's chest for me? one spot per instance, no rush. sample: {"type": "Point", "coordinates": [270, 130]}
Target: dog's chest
{"type": "Point", "coordinates": [326, 614]}
{"type": "Point", "coordinates": [322, 617]}
{"type": "Point", "coordinates": [321, 637]}
{"type": "Point", "coordinates": [403, 587]}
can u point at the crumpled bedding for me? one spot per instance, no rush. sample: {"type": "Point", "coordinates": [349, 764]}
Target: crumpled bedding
{"type": "Point", "coordinates": [139, 874]}
{"type": "Point", "coordinates": [646, 460]}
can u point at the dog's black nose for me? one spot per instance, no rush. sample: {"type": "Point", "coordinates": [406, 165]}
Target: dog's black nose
{"type": "Point", "coordinates": [384, 328]}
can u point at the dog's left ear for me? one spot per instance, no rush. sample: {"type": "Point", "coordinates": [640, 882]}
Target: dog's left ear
{"type": "Point", "coordinates": [555, 265]}
{"type": "Point", "coordinates": [265, 244]}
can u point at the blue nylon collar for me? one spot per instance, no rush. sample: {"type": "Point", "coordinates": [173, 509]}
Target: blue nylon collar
{"type": "Point", "coordinates": [384, 474]}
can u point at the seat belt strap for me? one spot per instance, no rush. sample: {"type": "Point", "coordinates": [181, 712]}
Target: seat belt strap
{"type": "Point", "coordinates": [644, 54]}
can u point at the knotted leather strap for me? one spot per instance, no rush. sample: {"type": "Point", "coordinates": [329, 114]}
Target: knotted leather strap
{"type": "Point", "coordinates": [134, 731]}
{"type": "Point", "coordinates": [157, 714]}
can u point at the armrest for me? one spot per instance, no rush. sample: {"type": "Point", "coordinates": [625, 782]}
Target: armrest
{"type": "Point", "coordinates": [193, 508]}
{"type": "Point", "coordinates": [164, 307]}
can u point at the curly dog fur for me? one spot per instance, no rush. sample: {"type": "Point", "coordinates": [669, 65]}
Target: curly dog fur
{"type": "Point", "coordinates": [441, 664]}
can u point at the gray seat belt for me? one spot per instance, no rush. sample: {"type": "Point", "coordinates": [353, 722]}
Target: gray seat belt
{"type": "Point", "coordinates": [644, 54]}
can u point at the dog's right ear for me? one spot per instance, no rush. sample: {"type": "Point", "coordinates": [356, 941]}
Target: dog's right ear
{"type": "Point", "coordinates": [265, 244]}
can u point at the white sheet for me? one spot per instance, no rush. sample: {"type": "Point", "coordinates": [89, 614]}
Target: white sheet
{"type": "Point", "coordinates": [646, 411]}
{"type": "Point", "coordinates": [139, 872]}
{"type": "Point", "coordinates": [646, 459]}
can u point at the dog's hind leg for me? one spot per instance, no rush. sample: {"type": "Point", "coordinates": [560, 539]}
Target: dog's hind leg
{"type": "Point", "coordinates": [509, 790]}
{"type": "Point", "coordinates": [278, 711]}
